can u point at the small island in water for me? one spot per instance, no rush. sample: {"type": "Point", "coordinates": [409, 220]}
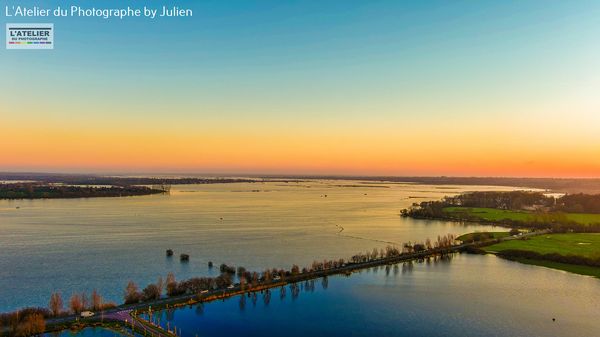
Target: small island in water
{"type": "Point", "coordinates": [49, 191]}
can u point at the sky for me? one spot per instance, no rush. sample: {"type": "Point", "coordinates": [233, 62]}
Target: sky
{"type": "Point", "coordinates": [457, 88]}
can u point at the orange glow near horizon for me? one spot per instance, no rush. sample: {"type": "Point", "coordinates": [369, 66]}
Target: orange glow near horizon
{"type": "Point", "coordinates": [381, 150]}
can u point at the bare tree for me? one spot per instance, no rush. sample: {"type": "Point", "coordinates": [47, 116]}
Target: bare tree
{"type": "Point", "coordinates": [56, 304]}
{"type": "Point", "coordinates": [151, 292]}
{"type": "Point", "coordinates": [160, 284]}
{"type": "Point", "coordinates": [254, 279]}
{"type": "Point", "coordinates": [75, 304]}
{"type": "Point", "coordinates": [132, 294]}
{"type": "Point", "coordinates": [171, 284]}
{"type": "Point", "coordinates": [96, 300]}
{"type": "Point", "coordinates": [85, 303]}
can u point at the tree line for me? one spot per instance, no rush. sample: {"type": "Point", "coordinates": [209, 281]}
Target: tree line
{"type": "Point", "coordinates": [46, 191]}
{"type": "Point", "coordinates": [579, 203]}
{"type": "Point", "coordinates": [249, 280]}
{"type": "Point", "coordinates": [32, 321]}
{"type": "Point", "coordinates": [549, 212]}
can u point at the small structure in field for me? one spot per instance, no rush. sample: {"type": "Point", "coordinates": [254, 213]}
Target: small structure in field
{"type": "Point", "coordinates": [184, 257]}
{"type": "Point", "coordinates": [86, 314]}
{"type": "Point", "coordinates": [169, 252]}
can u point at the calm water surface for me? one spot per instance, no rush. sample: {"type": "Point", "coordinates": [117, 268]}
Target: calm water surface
{"type": "Point", "coordinates": [81, 244]}
{"type": "Point", "coordinates": [87, 332]}
{"type": "Point", "coordinates": [470, 295]}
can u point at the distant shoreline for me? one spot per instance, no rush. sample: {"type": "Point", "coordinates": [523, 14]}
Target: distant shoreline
{"type": "Point", "coordinates": [564, 185]}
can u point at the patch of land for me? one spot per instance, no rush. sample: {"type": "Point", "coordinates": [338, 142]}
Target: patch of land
{"type": "Point", "coordinates": [46, 191]}
{"type": "Point", "coordinates": [579, 244]}
{"type": "Point", "coordinates": [493, 214]}
{"type": "Point", "coordinates": [573, 252]}
{"type": "Point", "coordinates": [478, 236]}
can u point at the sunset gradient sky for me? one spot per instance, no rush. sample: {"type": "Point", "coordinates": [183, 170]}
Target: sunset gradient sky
{"type": "Point", "coordinates": [484, 88]}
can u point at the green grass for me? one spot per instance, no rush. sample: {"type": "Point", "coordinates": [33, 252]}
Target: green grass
{"type": "Point", "coordinates": [469, 236]}
{"type": "Point", "coordinates": [492, 214]}
{"type": "Point", "coordinates": [580, 244]}
{"type": "Point", "coordinates": [489, 214]}
{"type": "Point", "coordinates": [572, 268]}
{"type": "Point", "coordinates": [583, 218]}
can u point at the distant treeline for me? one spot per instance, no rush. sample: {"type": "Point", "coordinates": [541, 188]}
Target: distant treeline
{"type": "Point", "coordinates": [514, 200]}
{"type": "Point", "coordinates": [579, 203]}
{"type": "Point", "coordinates": [45, 191]}
{"type": "Point", "coordinates": [116, 181]}
{"type": "Point", "coordinates": [566, 185]}
{"type": "Point", "coordinates": [548, 211]}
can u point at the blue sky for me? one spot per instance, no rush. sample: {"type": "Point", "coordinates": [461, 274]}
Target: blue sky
{"type": "Point", "coordinates": [345, 64]}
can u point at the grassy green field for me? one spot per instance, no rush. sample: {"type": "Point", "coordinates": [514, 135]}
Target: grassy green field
{"type": "Point", "coordinates": [492, 214]}
{"type": "Point", "coordinates": [572, 268]}
{"type": "Point", "coordinates": [581, 244]}
{"type": "Point", "coordinates": [583, 218]}
{"type": "Point", "coordinates": [469, 237]}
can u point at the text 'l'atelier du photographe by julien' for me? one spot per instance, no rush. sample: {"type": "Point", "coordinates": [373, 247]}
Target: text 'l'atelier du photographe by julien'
{"type": "Point", "coordinates": [78, 11]}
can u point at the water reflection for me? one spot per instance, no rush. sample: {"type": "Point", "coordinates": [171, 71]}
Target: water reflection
{"type": "Point", "coordinates": [267, 297]}
{"type": "Point", "coordinates": [90, 332]}
{"type": "Point", "coordinates": [199, 309]}
{"type": "Point", "coordinates": [438, 294]}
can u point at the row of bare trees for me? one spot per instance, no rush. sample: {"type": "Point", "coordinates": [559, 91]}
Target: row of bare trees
{"type": "Point", "coordinates": [32, 321]}
{"type": "Point", "coordinates": [443, 242]}
{"type": "Point", "coordinates": [249, 280]}
{"type": "Point", "coordinates": [77, 303]}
